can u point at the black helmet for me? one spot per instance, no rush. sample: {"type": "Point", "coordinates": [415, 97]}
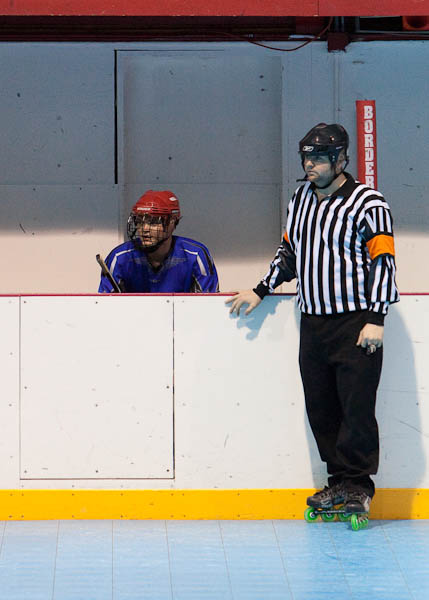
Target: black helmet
{"type": "Point", "coordinates": [325, 139]}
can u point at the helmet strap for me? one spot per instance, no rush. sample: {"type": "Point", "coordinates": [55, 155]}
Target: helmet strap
{"type": "Point", "coordinates": [330, 182]}
{"type": "Point", "coordinates": [152, 248]}
{"type": "Point", "coordinates": [333, 162]}
{"type": "Point", "coordinates": [148, 250]}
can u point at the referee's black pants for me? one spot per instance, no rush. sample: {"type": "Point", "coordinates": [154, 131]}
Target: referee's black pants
{"type": "Point", "coordinates": [340, 384]}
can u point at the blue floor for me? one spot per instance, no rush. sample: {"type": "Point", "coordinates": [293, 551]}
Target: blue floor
{"type": "Point", "coordinates": [237, 560]}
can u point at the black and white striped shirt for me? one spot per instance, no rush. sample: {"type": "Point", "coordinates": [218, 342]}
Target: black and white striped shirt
{"type": "Point", "coordinates": [340, 249]}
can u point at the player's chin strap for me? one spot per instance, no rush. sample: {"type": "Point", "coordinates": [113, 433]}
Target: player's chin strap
{"type": "Point", "coordinates": [152, 248]}
{"type": "Point", "coordinates": [321, 187]}
{"type": "Point", "coordinates": [149, 249]}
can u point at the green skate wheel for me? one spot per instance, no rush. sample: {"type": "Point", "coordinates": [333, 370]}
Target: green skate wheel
{"type": "Point", "coordinates": [359, 521]}
{"type": "Point", "coordinates": [344, 518]}
{"type": "Point", "coordinates": [328, 517]}
{"type": "Point", "coordinates": [310, 515]}
{"type": "Point", "coordinates": [355, 522]}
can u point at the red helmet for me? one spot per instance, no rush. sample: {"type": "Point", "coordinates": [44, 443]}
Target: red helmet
{"type": "Point", "coordinates": [160, 206]}
{"type": "Point", "coordinates": [155, 202]}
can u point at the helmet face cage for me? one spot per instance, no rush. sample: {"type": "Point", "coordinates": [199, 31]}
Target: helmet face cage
{"type": "Point", "coordinates": [151, 217]}
{"type": "Point", "coordinates": [158, 223]}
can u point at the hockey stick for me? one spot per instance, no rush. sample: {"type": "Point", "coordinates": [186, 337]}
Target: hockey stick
{"type": "Point", "coordinates": [106, 272]}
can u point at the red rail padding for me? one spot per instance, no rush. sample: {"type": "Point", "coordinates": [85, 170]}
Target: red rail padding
{"type": "Point", "coordinates": [366, 142]}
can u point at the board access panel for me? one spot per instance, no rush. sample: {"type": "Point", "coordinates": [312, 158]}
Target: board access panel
{"type": "Point", "coordinates": [96, 387]}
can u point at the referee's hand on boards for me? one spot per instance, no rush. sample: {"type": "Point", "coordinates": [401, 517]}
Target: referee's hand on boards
{"type": "Point", "coordinates": [371, 337]}
{"type": "Point", "coordinates": [245, 297]}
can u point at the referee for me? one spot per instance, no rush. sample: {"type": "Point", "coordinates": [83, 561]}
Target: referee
{"type": "Point", "coordinates": [339, 246]}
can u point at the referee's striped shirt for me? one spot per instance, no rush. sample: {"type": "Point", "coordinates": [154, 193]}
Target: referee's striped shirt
{"type": "Point", "coordinates": [341, 251]}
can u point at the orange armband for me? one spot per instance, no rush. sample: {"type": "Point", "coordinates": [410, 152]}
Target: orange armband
{"type": "Point", "coordinates": [381, 244]}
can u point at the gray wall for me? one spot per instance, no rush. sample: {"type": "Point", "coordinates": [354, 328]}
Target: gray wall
{"type": "Point", "coordinates": [216, 123]}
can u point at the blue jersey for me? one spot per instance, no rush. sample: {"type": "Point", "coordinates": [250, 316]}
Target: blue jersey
{"type": "Point", "coordinates": [187, 268]}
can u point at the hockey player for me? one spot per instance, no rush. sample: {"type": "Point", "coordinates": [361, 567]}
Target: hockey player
{"type": "Point", "coordinates": [155, 260]}
{"type": "Point", "coordinates": [339, 245]}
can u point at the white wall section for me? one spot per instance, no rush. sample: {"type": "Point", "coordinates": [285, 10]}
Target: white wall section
{"type": "Point", "coordinates": [9, 397]}
{"type": "Point", "coordinates": [93, 405]}
{"type": "Point", "coordinates": [96, 388]}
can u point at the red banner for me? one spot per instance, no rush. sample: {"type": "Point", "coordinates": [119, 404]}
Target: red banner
{"type": "Point", "coordinates": [366, 142]}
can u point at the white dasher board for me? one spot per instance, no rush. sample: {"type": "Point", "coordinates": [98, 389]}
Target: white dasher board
{"type": "Point", "coordinates": [96, 387]}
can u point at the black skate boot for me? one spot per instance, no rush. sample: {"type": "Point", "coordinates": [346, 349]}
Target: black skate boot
{"type": "Point", "coordinates": [328, 497]}
{"type": "Point", "coordinates": [324, 504]}
{"type": "Point", "coordinates": [357, 505]}
{"type": "Point", "coordinates": [357, 502]}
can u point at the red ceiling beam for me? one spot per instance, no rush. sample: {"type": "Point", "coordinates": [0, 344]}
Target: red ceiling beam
{"type": "Point", "coordinates": [160, 8]}
{"type": "Point", "coordinates": [372, 8]}
{"type": "Point", "coordinates": [214, 8]}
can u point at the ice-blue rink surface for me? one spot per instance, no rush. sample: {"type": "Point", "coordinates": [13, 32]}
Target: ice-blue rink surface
{"type": "Point", "coordinates": [222, 560]}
